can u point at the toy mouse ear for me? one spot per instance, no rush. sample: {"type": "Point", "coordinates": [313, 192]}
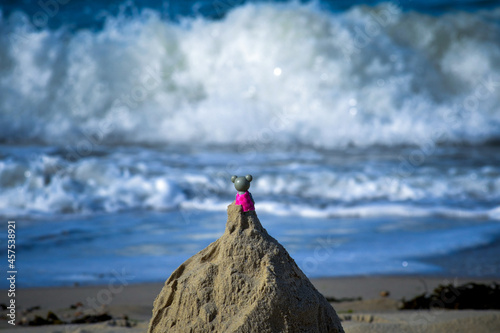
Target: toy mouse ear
{"type": "Point", "coordinates": [233, 178]}
{"type": "Point", "coordinates": [249, 177]}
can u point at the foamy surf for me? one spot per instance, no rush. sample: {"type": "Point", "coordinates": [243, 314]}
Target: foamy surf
{"type": "Point", "coordinates": [294, 73]}
{"type": "Point", "coordinates": [306, 183]}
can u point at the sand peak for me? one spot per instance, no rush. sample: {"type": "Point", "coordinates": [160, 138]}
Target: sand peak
{"type": "Point", "coordinates": [243, 282]}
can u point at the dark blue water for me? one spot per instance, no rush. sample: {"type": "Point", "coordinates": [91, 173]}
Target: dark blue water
{"type": "Point", "coordinates": [92, 14]}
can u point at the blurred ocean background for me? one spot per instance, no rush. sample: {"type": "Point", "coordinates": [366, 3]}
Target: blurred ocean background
{"type": "Point", "coordinates": [372, 131]}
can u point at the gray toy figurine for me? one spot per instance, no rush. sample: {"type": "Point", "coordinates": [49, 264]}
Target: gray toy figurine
{"type": "Point", "coordinates": [243, 197]}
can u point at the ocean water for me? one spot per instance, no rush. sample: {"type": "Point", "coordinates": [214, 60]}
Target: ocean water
{"type": "Point", "coordinates": [372, 131]}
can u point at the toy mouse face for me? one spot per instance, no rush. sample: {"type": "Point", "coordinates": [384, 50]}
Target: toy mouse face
{"type": "Point", "coordinates": [241, 184]}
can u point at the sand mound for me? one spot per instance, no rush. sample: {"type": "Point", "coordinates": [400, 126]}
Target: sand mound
{"type": "Point", "coordinates": [243, 282]}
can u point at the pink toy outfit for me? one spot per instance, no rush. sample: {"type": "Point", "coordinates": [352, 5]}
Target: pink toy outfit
{"type": "Point", "coordinates": [245, 200]}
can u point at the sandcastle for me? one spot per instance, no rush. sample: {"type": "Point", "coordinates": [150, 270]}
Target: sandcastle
{"type": "Point", "coordinates": [245, 281]}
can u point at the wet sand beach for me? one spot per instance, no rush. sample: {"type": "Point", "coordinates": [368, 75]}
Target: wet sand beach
{"type": "Point", "coordinates": [361, 306]}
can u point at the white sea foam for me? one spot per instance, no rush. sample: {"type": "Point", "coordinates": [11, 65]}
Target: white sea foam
{"type": "Point", "coordinates": [266, 73]}
{"type": "Point", "coordinates": [51, 186]}
{"type": "Point", "coordinates": [156, 180]}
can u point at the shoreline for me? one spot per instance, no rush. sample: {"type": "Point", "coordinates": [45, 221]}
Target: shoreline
{"type": "Point", "coordinates": [371, 312]}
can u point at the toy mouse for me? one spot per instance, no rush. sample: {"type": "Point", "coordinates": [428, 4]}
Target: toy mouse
{"type": "Point", "coordinates": [243, 197]}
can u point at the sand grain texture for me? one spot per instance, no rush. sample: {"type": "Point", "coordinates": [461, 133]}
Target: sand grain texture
{"type": "Point", "coordinates": [243, 282]}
